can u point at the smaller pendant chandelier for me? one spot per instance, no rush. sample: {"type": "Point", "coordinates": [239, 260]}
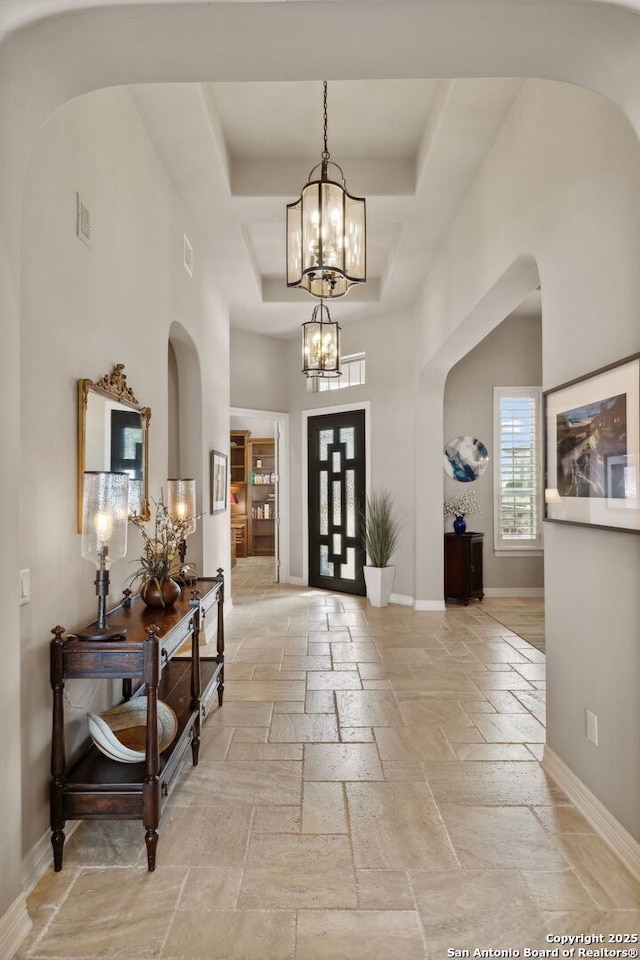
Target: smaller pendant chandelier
{"type": "Point", "coordinates": [321, 344]}
{"type": "Point", "coordinates": [326, 233]}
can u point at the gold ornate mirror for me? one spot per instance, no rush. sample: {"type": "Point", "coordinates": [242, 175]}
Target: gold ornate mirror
{"type": "Point", "coordinates": [113, 434]}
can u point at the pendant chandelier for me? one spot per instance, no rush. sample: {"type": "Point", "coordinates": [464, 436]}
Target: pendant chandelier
{"type": "Point", "coordinates": [321, 344]}
{"type": "Point", "coordinates": [326, 233]}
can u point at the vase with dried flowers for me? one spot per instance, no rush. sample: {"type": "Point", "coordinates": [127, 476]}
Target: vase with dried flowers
{"type": "Point", "coordinates": [460, 507]}
{"type": "Point", "coordinates": [160, 563]}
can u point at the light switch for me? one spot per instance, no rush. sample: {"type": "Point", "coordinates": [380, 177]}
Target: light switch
{"type": "Point", "coordinates": [592, 727]}
{"type": "Point", "coordinates": [25, 586]}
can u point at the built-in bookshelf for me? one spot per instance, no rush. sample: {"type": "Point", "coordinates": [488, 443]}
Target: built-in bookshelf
{"type": "Point", "coordinates": [262, 491]}
{"type": "Point", "coordinates": [238, 477]}
{"type": "Point", "coordinates": [238, 447]}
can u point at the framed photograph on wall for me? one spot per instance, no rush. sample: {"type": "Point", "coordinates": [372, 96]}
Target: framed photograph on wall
{"type": "Point", "coordinates": [218, 482]}
{"type": "Point", "coordinates": [592, 449]}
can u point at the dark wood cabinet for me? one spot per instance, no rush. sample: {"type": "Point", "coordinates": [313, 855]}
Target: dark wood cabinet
{"type": "Point", "coordinates": [463, 566]}
{"type": "Point", "coordinates": [158, 658]}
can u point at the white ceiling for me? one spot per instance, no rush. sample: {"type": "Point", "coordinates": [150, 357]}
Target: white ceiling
{"type": "Point", "coordinates": [274, 120]}
{"type": "Point", "coordinates": [239, 152]}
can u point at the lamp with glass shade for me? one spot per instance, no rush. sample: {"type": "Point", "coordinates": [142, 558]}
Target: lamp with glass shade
{"type": "Point", "coordinates": [104, 539]}
{"type": "Point", "coordinates": [181, 504]}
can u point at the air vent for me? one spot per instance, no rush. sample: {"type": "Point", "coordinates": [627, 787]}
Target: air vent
{"type": "Point", "coordinates": [83, 221]}
{"type": "Point", "coordinates": [187, 255]}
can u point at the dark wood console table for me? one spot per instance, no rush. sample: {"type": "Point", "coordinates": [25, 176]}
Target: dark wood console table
{"type": "Point", "coordinates": [155, 660]}
{"type": "Point", "coordinates": [463, 566]}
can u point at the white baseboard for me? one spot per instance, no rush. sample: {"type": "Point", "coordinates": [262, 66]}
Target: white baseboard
{"type": "Point", "coordinates": [514, 591]}
{"type": "Point", "coordinates": [37, 861]}
{"type": "Point", "coordinates": [402, 599]}
{"type": "Point", "coordinates": [625, 847]}
{"type": "Point", "coordinates": [210, 629]}
{"type": "Point", "coordinates": [15, 925]}
{"type": "Point", "coordinates": [40, 858]}
{"type": "Point", "coordinates": [408, 601]}
{"type": "Point", "coordinates": [433, 605]}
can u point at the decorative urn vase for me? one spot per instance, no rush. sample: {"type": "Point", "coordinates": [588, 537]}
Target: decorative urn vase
{"type": "Point", "coordinates": [160, 596]}
{"type": "Point", "coordinates": [459, 524]}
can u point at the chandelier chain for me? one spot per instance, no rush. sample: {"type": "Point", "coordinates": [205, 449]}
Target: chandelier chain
{"type": "Point", "coordinates": [325, 152]}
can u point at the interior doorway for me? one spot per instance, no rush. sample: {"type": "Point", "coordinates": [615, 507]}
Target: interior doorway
{"type": "Point", "coordinates": [261, 510]}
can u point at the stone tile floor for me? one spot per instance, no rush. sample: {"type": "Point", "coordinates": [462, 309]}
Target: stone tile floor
{"type": "Point", "coordinates": [522, 615]}
{"type": "Point", "coordinates": [370, 789]}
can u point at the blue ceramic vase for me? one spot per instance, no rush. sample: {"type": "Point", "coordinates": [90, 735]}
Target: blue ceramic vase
{"type": "Point", "coordinates": [459, 525]}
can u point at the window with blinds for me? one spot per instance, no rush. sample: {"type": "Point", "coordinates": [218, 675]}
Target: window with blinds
{"type": "Point", "coordinates": [517, 470]}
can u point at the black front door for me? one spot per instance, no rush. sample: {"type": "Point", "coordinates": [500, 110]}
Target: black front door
{"type": "Point", "coordinates": [336, 460]}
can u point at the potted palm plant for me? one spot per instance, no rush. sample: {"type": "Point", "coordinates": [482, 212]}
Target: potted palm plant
{"type": "Point", "coordinates": [379, 536]}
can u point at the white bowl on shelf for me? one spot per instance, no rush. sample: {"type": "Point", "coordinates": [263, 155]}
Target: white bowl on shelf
{"type": "Point", "coordinates": [120, 732]}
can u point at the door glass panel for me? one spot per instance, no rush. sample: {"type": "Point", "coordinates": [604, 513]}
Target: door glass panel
{"type": "Point", "coordinates": [337, 503]}
{"type": "Point", "coordinates": [326, 436]}
{"type": "Point", "coordinates": [326, 568]}
{"type": "Point", "coordinates": [347, 436]}
{"type": "Point", "coordinates": [336, 461]}
{"type": "Point", "coordinates": [350, 503]}
{"type": "Point", "coordinates": [324, 504]}
{"type": "Point", "coordinates": [348, 570]}
{"type": "Point", "coordinates": [337, 544]}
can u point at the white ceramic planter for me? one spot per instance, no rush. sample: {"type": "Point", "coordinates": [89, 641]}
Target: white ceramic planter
{"type": "Point", "coordinates": [379, 581]}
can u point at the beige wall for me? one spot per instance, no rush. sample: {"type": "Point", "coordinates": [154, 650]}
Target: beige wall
{"type": "Point", "coordinates": [511, 355]}
{"type": "Point", "coordinates": [258, 371]}
{"type": "Point", "coordinates": [84, 309]}
{"type": "Point", "coordinates": [561, 186]}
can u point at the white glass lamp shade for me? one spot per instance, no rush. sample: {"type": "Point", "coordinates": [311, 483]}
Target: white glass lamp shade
{"type": "Point", "coordinates": [181, 502]}
{"type": "Point", "coordinates": [326, 239]}
{"type": "Point", "coordinates": [321, 345]}
{"type": "Point", "coordinates": [105, 516]}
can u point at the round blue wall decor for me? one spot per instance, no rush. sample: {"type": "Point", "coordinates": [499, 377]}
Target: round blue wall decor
{"type": "Point", "coordinates": [465, 459]}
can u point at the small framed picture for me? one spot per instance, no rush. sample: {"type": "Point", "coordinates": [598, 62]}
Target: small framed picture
{"type": "Point", "coordinates": [218, 482]}
{"type": "Point", "coordinates": [592, 428]}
